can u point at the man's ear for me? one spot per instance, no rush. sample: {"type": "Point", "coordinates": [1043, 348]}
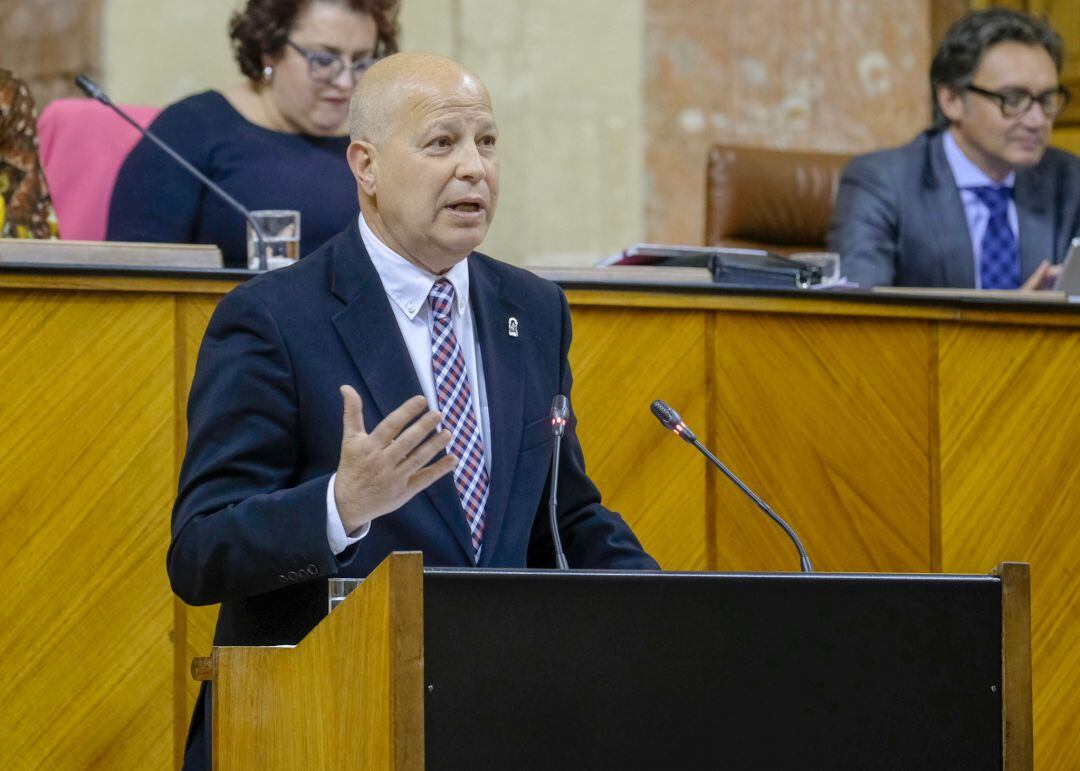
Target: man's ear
{"type": "Point", "coordinates": [951, 103]}
{"type": "Point", "coordinates": [361, 157]}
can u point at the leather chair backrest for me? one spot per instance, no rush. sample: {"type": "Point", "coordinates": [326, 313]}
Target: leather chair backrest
{"type": "Point", "coordinates": [779, 200]}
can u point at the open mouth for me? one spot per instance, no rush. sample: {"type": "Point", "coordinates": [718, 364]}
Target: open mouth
{"type": "Point", "coordinates": [466, 207]}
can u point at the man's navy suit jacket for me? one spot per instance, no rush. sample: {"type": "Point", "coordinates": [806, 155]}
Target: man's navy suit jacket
{"type": "Point", "coordinates": [899, 218]}
{"type": "Point", "coordinates": [264, 436]}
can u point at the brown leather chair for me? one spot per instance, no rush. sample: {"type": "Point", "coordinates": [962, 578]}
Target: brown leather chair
{"type": "Point", "coordinates": [770, 199]}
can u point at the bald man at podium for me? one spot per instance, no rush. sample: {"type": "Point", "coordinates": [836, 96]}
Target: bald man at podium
{"type": "Point", "coordinates": [390, 391]}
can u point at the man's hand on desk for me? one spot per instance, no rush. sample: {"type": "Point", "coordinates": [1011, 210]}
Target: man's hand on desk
{"type": "Point", "coordinates": [379, 471]}
{"type": "Point", "coordinates": [1044, 277]}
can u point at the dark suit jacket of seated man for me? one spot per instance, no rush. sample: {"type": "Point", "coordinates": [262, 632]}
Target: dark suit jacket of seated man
{"type": "Point", "coordinates": [250, 526]}
{"type": "Point", "coordinates": [901, 218]}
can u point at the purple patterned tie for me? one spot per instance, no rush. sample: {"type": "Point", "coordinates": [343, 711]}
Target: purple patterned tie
{"type": "Point", "coordinates": [455, 403]}
{"type": "Point", "coordinates": [999, 267]}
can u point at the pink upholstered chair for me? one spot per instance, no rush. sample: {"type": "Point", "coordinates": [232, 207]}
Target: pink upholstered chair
{"type": "Point", "coordinates": [82, 145]}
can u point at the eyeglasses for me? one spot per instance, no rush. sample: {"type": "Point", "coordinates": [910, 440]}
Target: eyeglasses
{"type": "Point", "coordinates": [1017, 101]}
{"type": "Point", "coordinates": [325, 67]}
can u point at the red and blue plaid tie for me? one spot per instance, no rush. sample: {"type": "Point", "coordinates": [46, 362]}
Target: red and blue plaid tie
{"type": "Point", "coordinates": [455, 403]}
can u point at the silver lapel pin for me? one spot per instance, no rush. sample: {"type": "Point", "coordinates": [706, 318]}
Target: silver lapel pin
{"type": "Point", "coordinates": [512, 327]}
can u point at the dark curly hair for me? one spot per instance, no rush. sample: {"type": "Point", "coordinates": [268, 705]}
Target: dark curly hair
{"type": "Point", "coordinates": [263, 25]}
{"type": "Point", "coordinates": [968, 39]}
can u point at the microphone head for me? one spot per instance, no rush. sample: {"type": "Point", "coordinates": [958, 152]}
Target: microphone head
{"type": "Point", "coordinates": [669, 417]}
{"type": "Point", "coordinates": [560, 413]}
{"type": "Point", "coordinates": [90, 88]}
{"type": "Point", "coordinates": [671, 420]}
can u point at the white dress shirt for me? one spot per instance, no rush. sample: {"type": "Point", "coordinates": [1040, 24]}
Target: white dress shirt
{"type": "Point", "coordinates": [407, 286]}
{"type": "Point", "coordinates": [968, 175]}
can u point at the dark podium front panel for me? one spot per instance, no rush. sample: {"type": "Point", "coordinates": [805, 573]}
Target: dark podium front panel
{"type": "Point", "coordinates": [667, 671]}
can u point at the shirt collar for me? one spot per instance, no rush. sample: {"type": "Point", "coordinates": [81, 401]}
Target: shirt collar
{"type": "Point", "coordinates": [407, 284]}
{"type": "Point", "coordinates": [964, 170]}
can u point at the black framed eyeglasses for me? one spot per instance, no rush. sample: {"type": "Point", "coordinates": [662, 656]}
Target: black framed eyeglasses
{"type": "Point", "coordinates": [1015, 102]}
{"type": "Point", "coordinates": [325, 67]}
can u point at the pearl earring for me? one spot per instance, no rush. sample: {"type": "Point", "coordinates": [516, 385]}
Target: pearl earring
{"type": "Point", "coordinates": [268, 73]}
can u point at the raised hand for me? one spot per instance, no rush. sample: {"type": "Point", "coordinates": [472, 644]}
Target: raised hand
{"type": "Point", "coordinates": [379, 471]}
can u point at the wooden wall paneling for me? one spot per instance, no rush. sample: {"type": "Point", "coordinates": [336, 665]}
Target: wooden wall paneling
{"type": "Point", "coordinates": [86, 398]}
{"type": "Point", "coordinates": [821, 408]}
{"type": "Point", "coordinates": [1010, 438]}
{"type": "Point", "coordinates": [1064, 17]}
{"type": "Point", "coordinates": [934, 398]}
{"type": "Point", "coordinates": [827, 420]}
{"type": "Point", "coordinates": [194, 625]}
{"type": "Point", "coordinates": [942, 15]}
{"type": "Point", "coordinates": [623, 359]}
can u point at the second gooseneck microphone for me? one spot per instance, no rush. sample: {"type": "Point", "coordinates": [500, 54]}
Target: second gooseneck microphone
{"type": "Point", "coordinates": [671, 421]}
{"type": "Point", "coordinates": [560, 414]}
{"type": "Point", "coordinates": [94, 91]}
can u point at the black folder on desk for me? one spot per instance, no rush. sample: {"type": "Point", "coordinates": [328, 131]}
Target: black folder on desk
{"type": "Point", "coordinates": [728, 266]}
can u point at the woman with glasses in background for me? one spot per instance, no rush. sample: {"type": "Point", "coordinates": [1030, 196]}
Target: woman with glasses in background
{"type": "Point", "coordinates": [275, 141]}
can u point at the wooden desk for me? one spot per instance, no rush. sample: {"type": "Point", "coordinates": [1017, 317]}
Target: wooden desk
{"type": "Point", "coordinates": [895, 434]}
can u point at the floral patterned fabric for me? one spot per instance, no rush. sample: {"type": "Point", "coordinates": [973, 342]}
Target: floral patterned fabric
{"type": "Point", "coordinates": [26, 209]}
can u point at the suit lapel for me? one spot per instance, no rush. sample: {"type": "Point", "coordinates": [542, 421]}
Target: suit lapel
{"type": "Point", "coordinates": [371, 336]}
{"type": "Point", "coordinates": [945, 208]}
{"type": "Point", "coordinates": [1034, 218]}
{"type": "Point", "coordinates": [504, 381]}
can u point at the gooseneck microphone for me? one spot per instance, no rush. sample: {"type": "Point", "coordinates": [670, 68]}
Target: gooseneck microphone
{"type": "Point", "coordinates": [560, 414]}
{"type": "Point", "coordinates": [94, 91]}
{"type": "Point", "coordinates": [671, 421]}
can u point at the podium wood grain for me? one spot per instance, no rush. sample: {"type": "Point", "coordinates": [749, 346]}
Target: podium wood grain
{"type": "Point", "coordinates": [361, 673]}
{"type": "Point", "coordinates": [894, 435]}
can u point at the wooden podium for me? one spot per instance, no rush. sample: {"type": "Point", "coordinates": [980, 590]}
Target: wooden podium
{"type": "Point", "coordinates": [506, 669]}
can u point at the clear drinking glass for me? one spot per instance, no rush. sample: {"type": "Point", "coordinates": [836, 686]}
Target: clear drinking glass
{"type": "Point", "coordinates": [339, 589]}
{"type": "Point", "coordinates": [281, 239]}
{"type": "Point", "coordinates": [828, 262]}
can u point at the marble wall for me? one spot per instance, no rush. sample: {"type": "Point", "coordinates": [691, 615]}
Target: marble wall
{"type": "Point", "coordinates": [565, 77]}
{"type": "Point", "coordinates": [157, 51]}
{"type": "Point", "coordinates": [48, 42]}
{"type": "Point", "coordinates": [831, 75]}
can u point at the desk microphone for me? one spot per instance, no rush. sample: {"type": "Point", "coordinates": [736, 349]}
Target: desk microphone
{"type": "Point", "coordinates": [671, 421]}
{"type": "Point", "coordinates": [93, 90]}
{"type": "Point", "coordinates": [560, 414]}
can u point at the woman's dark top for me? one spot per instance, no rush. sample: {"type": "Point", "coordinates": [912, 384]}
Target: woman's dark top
{"type": "Point", "coordinates": [155, 199]}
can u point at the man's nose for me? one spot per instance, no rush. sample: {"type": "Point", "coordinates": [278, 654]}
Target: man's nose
{"type": "Point", "coordinates": [470, 165]}
{"type": "Point", "coordinates": [1036, 117]}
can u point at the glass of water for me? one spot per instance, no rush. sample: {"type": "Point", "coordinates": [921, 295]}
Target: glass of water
{"type": "Point", "coordinates": [339, 589]}
{"type": "Point", "coordinates": [280, 242]}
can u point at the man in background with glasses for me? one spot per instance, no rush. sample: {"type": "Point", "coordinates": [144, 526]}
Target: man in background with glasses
{"type": "Point", "coordinates": [978, 200]}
